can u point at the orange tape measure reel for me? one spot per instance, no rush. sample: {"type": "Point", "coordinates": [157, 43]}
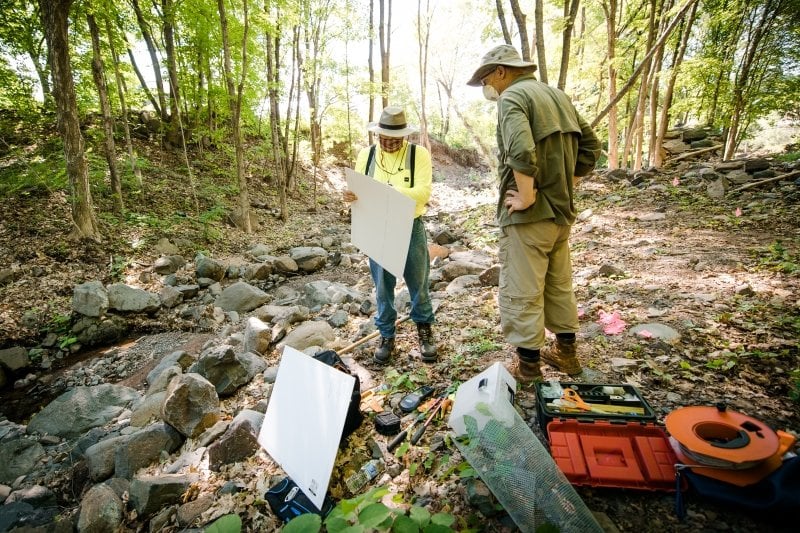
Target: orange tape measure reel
{"type": "Point", "coordinates": [734, 447]}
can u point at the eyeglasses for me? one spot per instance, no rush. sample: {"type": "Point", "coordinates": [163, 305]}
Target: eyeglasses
{"type": "Point", "coordinates": [485, 78]}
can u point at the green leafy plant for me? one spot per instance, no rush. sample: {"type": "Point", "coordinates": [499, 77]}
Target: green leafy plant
{"type": "Point", "coordinates": [66, 342]}
{"type": "Point", "coordinates": [366, 513]}
{"type": "Point", "coordinates": [794, 393]}
{"type": "Point", "coordinates": [777, 258]}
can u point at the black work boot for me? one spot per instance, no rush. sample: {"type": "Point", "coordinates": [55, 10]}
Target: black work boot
{"type": "Point", "coordinates": [427, 345]}
{"type": "Point", "coordinates": [384, 351]}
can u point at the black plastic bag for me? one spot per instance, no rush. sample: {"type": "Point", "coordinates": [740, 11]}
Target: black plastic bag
{"type": "Point", "coordinates": [354, 416]}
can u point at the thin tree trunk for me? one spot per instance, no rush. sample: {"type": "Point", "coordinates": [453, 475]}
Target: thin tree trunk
{"type": "Point", "coordinates": [142, 82]}
{"type": "Point", "coordinates": [570, 13]}
{"type": "Point", "coordinates": [663, 124]}
{"type": "Point", "coordinates": [423, 38]}
{"type": "Point", "coordinates": [151, 49]}
{"type": "Point", "coordinates": [610, 8]}
{"type": "Point", "coordinates": [123, 104]}
{"type": "Point", "coordinates": [98, 73]}
{"type": "Point", "coordinates": [522, 27]}
{"type": "Point", "coordinates": [540, 51]}
{"type": "Point", "coordinates": [278, 154]}
{"type": "Point", "coordinates": [167, 8]}
{"type": "Point", "coordinates": [370, 63]}
{"type": "Point", "coordinates": [235, 104]}
{"type": "Point", "coordinates": [636, 132]}
{"type": "Point", "coordinates": [485, 151]}
{"type": "Point", "coordinates": [55, 21]}
{"type": "Point", "coordinates": [632, 80]}
{"type": "Point", "coordinates": [385, 32]}
{"type": "Point", "coordinates": [501, 16]}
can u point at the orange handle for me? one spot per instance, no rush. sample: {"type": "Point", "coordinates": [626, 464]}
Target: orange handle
{"type": "Point", "coordinates": [572, 396]}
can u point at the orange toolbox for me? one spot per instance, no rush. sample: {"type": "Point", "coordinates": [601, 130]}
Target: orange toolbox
{"type": "Point", "coordinates": [602, 453]}
{"type": "Point", "coordinates": [605, 435]}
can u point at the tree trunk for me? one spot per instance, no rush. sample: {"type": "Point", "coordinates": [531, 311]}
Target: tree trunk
{"type": "Point", "coordinates": [522, 27]}
{"type": "Point", "coordinates": [478, 139]}
{"type": "Point", "coordinates": [636, 131]}
{"type": "Point", "coordinates": [167, 12]}
{"type": "Point", "coordinates": [540, 51]}
{"type": "Point", "coordinates": [663, 124]}
{"type": "Point", "coordinates": [570, 13]}
{"type": "Point", "coordinates": [635, 76]}
{"type": "Point", "coordinates": [385, 33]}
{"type": "Point", "coordinates": [151, 49]}
{"type": "Point", "coordinates": [610, 9]}
{"type": "Point", "coordinates": [501, 16]}
{"type": "Point", "coordinates": [142, 81]}
{"type": "Point", "coordinates": [121, 89]}
{"type": "Point", "coordinates": [278, 154]}
{"type": "Point", "coordinates": [423, 38]}
{"type": "Point", "coordinates": [370, 63]}
{"type": "Point", "coordinates": [55, 20]}
{"type": "Point", "coordinates": [235, 104]}
{"type": "Point", "coordinates": [98, 73]}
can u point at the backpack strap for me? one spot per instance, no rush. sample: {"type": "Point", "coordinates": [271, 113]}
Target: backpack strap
{"type": "Point", "coordinates": [410, 159]}
{"type": "Point", "coordinates": [369, 170]}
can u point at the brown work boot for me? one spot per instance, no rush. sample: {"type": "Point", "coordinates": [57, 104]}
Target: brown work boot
{"type": "Point", "coordinates": [427, 344]}
{"type": "Point", "coordinates": [562, 356]}
{"type": "Point", "coordinates": [525, 372]}
{"type": "Point", "coordinates": [384, 351]}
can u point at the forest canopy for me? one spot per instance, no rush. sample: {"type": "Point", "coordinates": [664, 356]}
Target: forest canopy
{"type": "Point", "coordinates": [287, 83]}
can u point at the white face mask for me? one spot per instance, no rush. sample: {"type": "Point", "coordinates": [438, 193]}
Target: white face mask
{"type": "Point", "coordinates": [490, 93]}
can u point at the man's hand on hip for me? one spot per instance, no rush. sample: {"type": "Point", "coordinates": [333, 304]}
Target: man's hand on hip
{"type": "Point", "coordinates": [516, 201]}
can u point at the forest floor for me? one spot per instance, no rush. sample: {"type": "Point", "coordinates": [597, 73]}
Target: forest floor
{"type": "Point", "coordinates": [723, 273]}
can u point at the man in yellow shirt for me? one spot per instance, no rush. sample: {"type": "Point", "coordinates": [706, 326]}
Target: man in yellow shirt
{"type": "Point", "coordinates": [406, 167]}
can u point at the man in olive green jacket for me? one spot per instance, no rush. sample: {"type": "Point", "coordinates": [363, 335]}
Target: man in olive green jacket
{"type": "Point", "coordinates": [543, 144]}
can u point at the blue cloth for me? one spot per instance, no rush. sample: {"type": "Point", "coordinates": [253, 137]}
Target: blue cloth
{"type": "Point", "coordinates": [415, 274]}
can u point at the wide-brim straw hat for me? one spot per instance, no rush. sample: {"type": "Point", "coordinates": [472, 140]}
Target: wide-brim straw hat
{"type": "Point", "coordinates": [505, 55]}
{"type": "Point", "coordinates": [392, 123]}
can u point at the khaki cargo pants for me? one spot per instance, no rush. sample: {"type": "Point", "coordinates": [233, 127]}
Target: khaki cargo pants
{"type": "Point", "coordinates": [536, 283]}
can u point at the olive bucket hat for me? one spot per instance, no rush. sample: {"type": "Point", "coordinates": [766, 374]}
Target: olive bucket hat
{"type": "Point", "coordinates": [392, 123]}
{"type": "Point", "coordinates": [505, 55]}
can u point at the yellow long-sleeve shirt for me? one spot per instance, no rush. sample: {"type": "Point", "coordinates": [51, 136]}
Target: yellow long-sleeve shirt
{"type": "Point", "coordinates": [390, 169]}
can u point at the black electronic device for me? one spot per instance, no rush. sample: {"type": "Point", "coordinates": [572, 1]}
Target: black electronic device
{"type": "Point", "coordinates": [412, 400]}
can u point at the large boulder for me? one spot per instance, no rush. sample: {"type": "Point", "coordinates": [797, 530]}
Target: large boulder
{"type": "Point", "coordinates": [150, 493]}
{"type": "Point", "coordinates": [307, 334]}
{"type": "Point", "coordinates": [191, 404]}
{"type": "Point", "coordinates": [144, 447]}
{"type": "Point", "coordinates": [206, 267]}
{"type": "Point", "coordinates": [90, 298]}
{"type": "Point", "coordinates": [14, 358]}
{"type": "Point", "coordinates": [18, 457]}
{"type": "Point", "coordinates": [241, 297]}
{"type": "Point", "coordinates": [239, 442]}
{"type": "Point", "coordinates": [82, 408]}
{"type": "Point", "coordinates": [101, 510]}
{"type": "Point", "coordinates": [309, 258]}
{"type": "Point", "coordinates": [226, 370]}
{"type": "Point", "coordinates": [125, 298]}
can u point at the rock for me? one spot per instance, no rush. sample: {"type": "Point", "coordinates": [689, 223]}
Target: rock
{"type": "Point", "coordinates": [607, 270]}
{"type": "Point", "coordinates": [694, 134]}
{"type": "Point", "coordinates": [754, 165]}
{"type": "Point", "coordinates": [764, 174]}
{"type": "Point", "coordinates": [490, 277]}
{"type": "Point", "coordinates": [100, 457]}
{"type": "Point", "coordinates": [150, 407]}
{"type": "Point", "coordinates": [620, 363]}
{"type": "Point", "coordinates": [29, 518]}
{"type": "Point", "coordinates": [657, 331]}
{"type": "Point", "coordinates": [480, 497]}
{"type": "Point", "coordinates": [224, 369]}
{"type": "Point", "coordinates": [145, 447]}
{"type": "Point", "coordinates": [309, 258]}
{"type": "Point", "coordinates": [258, 250]}
{"type": "Point", "coordinates": [3, 378]}
{"type": "Point", "coordinates": [36, 495]}
{"type": "Point", "coordinates": [727, 166]}
{"type": "Point", "coordinates": [107, 330]}
{"type": "Point", "coordinates": [716, 189]}
{"type": "Point", "coordinates": [257, 336]}
{"type": "Point", "coordinates": [18, 457]}
{"type": "Point", "coordinates": [130, 299]}
{"type": "Point", "coordinates": [289, 314]}
{"type": "Point", "coordinates": [8, 275]}
{"type": "Point", "coordinates": [180, 358]}
{"type": "Point", "coordinates": [738, 177]}
{"type": "Point", "coordinates": [165, 247]}
{"type": "Point", "coordinates": [307, 334]}
{"type": "Point", "coordinates": [101, 510]}
{"type": "Point", "coordinates": [168, 265]}
{"type": "Point", "coordinates": [702, 143]}
{"type": "Point", "coordinates": [239, 442]}
{"type": "Point", "coordinates": [473, 256]}
{"type": "Point", "coordinates": [5, 490]}
{"type": "Point", "coordinates": [444, 236]}
{"type": "Point", "coordinates": [205, 267]}
{"type": "Point", "coordinates": [675, 146]}
{"type": "Point", "coordinates": [257, 271]}
{"type": "Point", "coordinates": [14, 358]}
{"type": "Point", "coordinates": [82, 408]}
{"type": "Point", "coordinates": [322, 292]}
{"type": "Point", "coordinates": [652, 217]}
{"type": "Point", "coordinates": [148, 494]}
{"type": "Point", "coordinates": [191, 405]}
{"type": "Point", "coordinates": [455, 269]}
{"type": "Point", "coordinates": [90, 299]}
{"type": "Point", "coordinates": [285, 265]}
{"type": "Point", "coordinates": [339, 318]}
{"type": "Point", "coordinates": [462, 283]}
{"type": "Point", "coordinates": [189, 512]}
{"type": "Point", "coordinates": [241, 297]}
{"type": "Point", "coordinates": [170, 297]}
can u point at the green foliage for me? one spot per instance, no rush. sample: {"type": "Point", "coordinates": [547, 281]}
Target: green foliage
{"type": "Point", "coordinates": [794, 394]}
{"type": "Point", "coordinates": [778, 258]}
{"type": "Point", "coordinates": [229, 523]}
{"type": "Point", "coordinates": [366, 513]}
